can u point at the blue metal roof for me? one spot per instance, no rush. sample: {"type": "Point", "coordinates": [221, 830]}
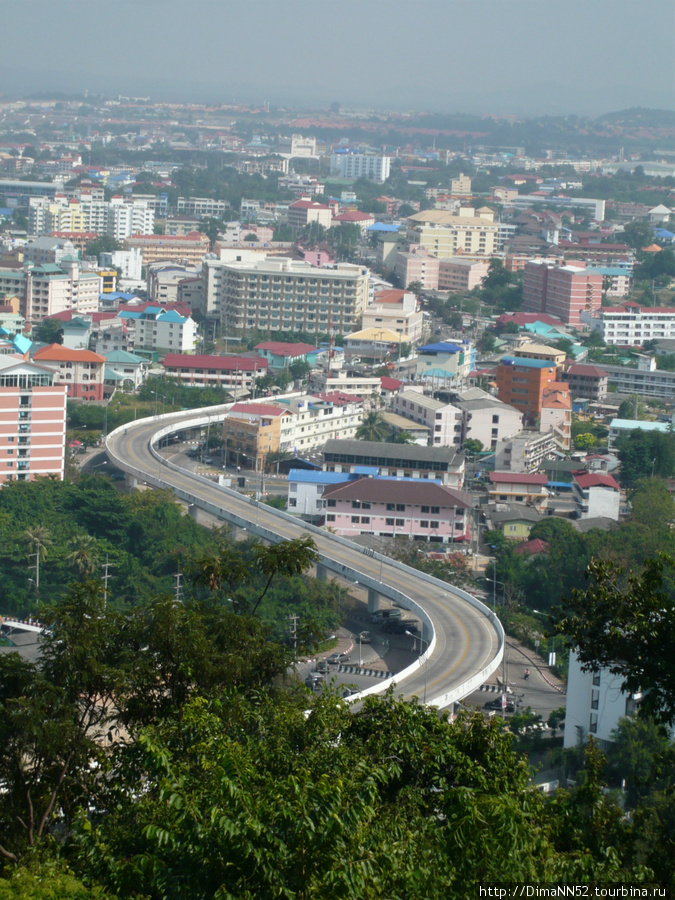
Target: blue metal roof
{"type": "Point", "coordinates": [383, 226]}
{"type": "Point", "coordinates": [527, 363]}
{"type": "Point", "coordinates": [442, 347]}
{"type": "Point", "coordinates": [309, 477]}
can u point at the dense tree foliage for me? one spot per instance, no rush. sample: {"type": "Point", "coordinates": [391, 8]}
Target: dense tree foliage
{"type": "Point", "coordinates": [644, 453]}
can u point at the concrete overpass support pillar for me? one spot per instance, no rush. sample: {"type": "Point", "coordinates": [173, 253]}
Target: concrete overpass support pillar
{"type": "Point", "coordinates": [373, 601]}
{"type": "Point", "coordinates": [321, 573]}
{"type": "Point", "coordinates": [193, 511]}
{"type": "Point", "coordinates": [131, 482]}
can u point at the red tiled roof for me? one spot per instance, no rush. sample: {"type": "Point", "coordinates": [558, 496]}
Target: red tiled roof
{"type": "Point", "coordinates": [517, 478]}
{"type": "Point", "coordinates": [258, 409]}
{"type": "Point", "coordinates": [594, 479]}
{"type": "Point", "coordinates": [588, 371]}
{"type": "Point", "coordinates": [386, 491]}
{"type": "Point", "coordinates": [389, 296]}
{"type": "Point", "coordinates": [307, 204]}
{"type": "Point", "coordinates": [339, 398]}
{"type": "Point", "coordinates": [352, 215]}
{"type": "Point", "coordinates": [59, 353]}
{"type": "Point", "coordinates": [536, 545]}
{"type": "Point", "coordinates": [221, 363]}
{"type": "Point", "coordinates": [390, 384]}
{"type": "Point", "coordinates": [281, 348]}
{"type": "Point", "coordinates": [522, 318]}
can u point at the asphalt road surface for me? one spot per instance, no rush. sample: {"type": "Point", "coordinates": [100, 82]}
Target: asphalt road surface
{"type": "Point", "coordinates": [466, 641]}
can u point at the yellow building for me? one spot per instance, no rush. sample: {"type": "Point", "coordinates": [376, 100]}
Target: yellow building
{"type": "Point", "coordinates": [108, 280]}
{"type": "Point", "coordinates": [541, 351]}
{"type": "Point", "coordinates": [444, 234]}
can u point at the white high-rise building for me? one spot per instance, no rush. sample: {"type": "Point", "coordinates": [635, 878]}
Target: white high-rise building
{"type": "Point", "coordinates": [348, 164]}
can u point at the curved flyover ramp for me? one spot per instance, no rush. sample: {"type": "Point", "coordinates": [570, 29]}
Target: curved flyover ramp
{"type": "Point", "coordinates": [465, 638]}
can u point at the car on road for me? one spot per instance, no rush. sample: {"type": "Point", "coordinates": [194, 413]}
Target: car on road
{"type": "Point", "coordinates": [314, 679]}
{"type": "Point", "coordinates": [497, 704]}
{"type": "Point", "coordinates": [365, 637]}
{"type": "Point", "coordinates": [322, 666]}
{"type": "Point", "coordinates": [336, 658]}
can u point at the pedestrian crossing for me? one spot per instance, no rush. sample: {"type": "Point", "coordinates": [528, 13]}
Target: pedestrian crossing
{"type": "Point", "coordinates": [490, 688]}
{"type": "Point", "coordinates": [357, 670]}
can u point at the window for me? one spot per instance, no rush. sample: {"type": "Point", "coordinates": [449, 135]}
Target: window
{"type": "Point", "coordinates": [365, 505]}
{"type": "Point", "coordinates": [435, 510]}
{"type": "Point", "coordinates": [391, 506]}
{"type": "Point", "coordinates": [400, 507]}
{"type": "Point", "coordinates": [330, 517]}
{"type": "Point", "coordinates": [389, 521]}
{"type": "Point", "coordinates": [424, 523]}
{"type": "Point", "coordinates": [355, 519]}
{"type": "Point", "coordinates": [434, 524]}
{"type": "Point", "coordinates": [356, 504]}
{"type": "Point", "coordinates": [365, 520]}
{"type": "Point", "coordinates": [292, 501]}
{"type": "Point", "coordinates": [400, 523]}
{"type": "Point", "coordinates": [331, 502]}
{"type": "Point", "coordinates": [425, 509]}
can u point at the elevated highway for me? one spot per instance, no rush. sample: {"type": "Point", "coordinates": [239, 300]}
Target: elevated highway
{"type": "Point", "coordinates": [464, 640]}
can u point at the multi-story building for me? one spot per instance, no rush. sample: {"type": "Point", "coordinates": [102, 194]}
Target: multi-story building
{"type": "Point", "coordinates": [236, 373]}
{"type": "Point", "coordinates": [645, 380]}
{"type": "Point", "coordinates": [294, 423]}
{"type": "Point", "coordinates": [487, 419]}
{"type": "Point", "coordinates": [445, 364]}
{"type": "Point", "coordinates": [280, 294]}
{"type": "Point", "coordinates": [47, 289]}
{"type": "Point", "coordinates": [81, 371]}
{"type": "Point", "coordinates": [444, 235]}
{"type": "Point", "coordinates": [396, 311]}
{"type": "Point", "coordinates": [302, 213]}
{"type": "Point", "coordinates": [618, 428]}
{"type": "Point", "coordinates": [124, 371]}
{"type": "Point", "coordinates": [514, 487]}
{"type": "Point", "coordinates": [348, 164]}
{"type": "Point", "coordinates": [156, 328]}
{"type": "Point", "coordinates": [443, 419]}
{"type": "Point", "coordinates": [297, 146]}
{"type": "Point", "coordinates": [456, 274]}
{"type": "Point", "coordinates": [164, 280]}
{"type": "Point", "coordinates": [587, 381]}
{"type": "Point", "coordinates": [32, 421]}
{"type": "Point", "coordinates": [595, 705]}
{"type": "Point", "coordinates": [344, 382]}
{"type": "Point", "coordinates": [399, 460]}
{"type": "Point", "coordinates": [556, 414]}
{"type": "Point", "coordinates": [188, 249]}
{"type": "Point", "coordinates": [130, 262]}
{"type": "Point", "coordinates": [119, 218]}
{"type": "Point", "coordinates": [597, 495]}
{"type": "Point", "coordinates": [631, 325]}
{"type": "Point", "coordinates": [127, 217]}
{"type": "Point", "coordinates": [201, 207]}
{"type": "Point", "coordinates": [282, 354]}
{"type": "Point", "coordinates": [417, 265]}
{"type": "Point", "coordinates": [562, 291]}
{"type": "Point", "coordinates": [48, 250]}
{"type": "Point", "coordinates": [521, 382]}
{"type": "Point", "coordinates": [551, 355]}
{"type": "Point", "coordinates": [524, 452]}
{"type": "Point", "coordinates": [419, 511]}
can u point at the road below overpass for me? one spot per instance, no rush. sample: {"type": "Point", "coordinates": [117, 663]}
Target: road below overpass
{"type": "Point", "coordinates": [466, 640]}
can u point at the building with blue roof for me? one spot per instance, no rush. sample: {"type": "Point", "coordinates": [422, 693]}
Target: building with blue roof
{"type": "Point", "coordinates": [160, 330]}
{"type": "Point", "coordinates": [446, 362]}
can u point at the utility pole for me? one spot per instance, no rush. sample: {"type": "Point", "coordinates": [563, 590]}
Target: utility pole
{"type": "Point", "coordinates": [294, 634]}
{"type": "Point", "coordinates": [106, 575]}
{"type": "Point", "coordinates": [178, 587]}
{"type": "Point", "coordinates": [37, 572]}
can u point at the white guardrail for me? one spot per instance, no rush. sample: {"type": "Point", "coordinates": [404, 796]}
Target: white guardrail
{"type": "Point", "coordinates": [441, 701]}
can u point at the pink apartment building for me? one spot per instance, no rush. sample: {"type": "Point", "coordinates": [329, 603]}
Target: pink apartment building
{"type": "Point", "coordinates": [562, 291]}
{"type": "Point", "coordinates": [417, 265]}
{"type": "Point", "coordinates": [32, 421]}
{"type": "Point", "coordinates": [419, 510]}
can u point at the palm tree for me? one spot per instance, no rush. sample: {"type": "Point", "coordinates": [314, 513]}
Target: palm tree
{"type": "Point", "coordinates": [373, 428]}
{"type": "Point", "coordinates": [83, 554]}
{"type": "Point", "coordinates": [38, 539]}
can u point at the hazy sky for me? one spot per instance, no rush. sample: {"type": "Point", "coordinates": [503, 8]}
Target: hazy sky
{"type": "Point", "coordinates": [483, 56]}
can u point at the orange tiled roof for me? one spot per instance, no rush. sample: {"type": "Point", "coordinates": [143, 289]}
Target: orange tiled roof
{"type": "Point", "coordinates": [59, 353]}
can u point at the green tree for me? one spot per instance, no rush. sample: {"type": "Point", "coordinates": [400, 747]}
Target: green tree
{"type": "Point", "coordinates": [49, 331]}
{"type": "Point", "coordinates": [646, 453]}
{"type": "Point", "coordinates": [372, 428]}
{"type": "Point", "coordinates": [556, 718]}
{"type": "Point", "coordinates": [638, 234]}
{"type": "Point", "coordinates": [635, 755]}
{"type": "Point", "coordinates": [83, 555]}
{"type": "Point", "coordinates": [633, 407]}
{"type": "Point", "coordinates": [584, 441]}
{"type": "Point", "coordinates": [102, 244]}
{"type": "Point", "coordinates": [211, 228]}
{"type": "Point", "coordinates": [473, 446]}
{"type": "Point", "coordinates": [621, 623]}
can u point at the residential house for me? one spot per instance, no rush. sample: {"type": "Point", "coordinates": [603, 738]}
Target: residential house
{"type": "Point", "coordinates": [283, 354]}
{"type": "Point", "coordinates": [515, 522]}
{"type": "Point", "coordinates": [445, 363]}
{"type": "Point", "coordinates": [587, 381]}
{"type": "Point", "coordinates": [596, 494]}
{"type": "Point", "coordinates": [515, 487]}
{"type": "Point", "coordinates": [124, 371]}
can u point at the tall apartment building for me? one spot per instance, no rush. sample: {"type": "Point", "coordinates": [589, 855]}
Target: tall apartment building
{"type": "Point", "coordinates": [417, 265]}
{"type": "Point", "coordinates": [32, 421]}
{"type": "Point", "coordinates": [48, 289]}
{"type": "Point", "coordinates": [279, 294]}
{"type": "Point", "coordinates": [631, 325]}
{"type": "Point", "coordinates": [303, 212]}
{"type": "Point", "coordinates": [119, 218]}
{"type": "Point", "coordinates": [556, 414]}
{"type": "Point", "coordinates": [201, 206]}
{"type": "Point", "coordinates": [444, 234]}
{"type": "Point", "coordinates": [568, 292]}
{"type": "Point", "coordinates": [521, 383]}
{"type": "Point", "coordinates": [188, 249]}
{"type": "Point", "coordinates": [48, 250]}
{"type": "Point", "coordinates": [348, 164]}
{"type": "Point", "coordinates": [396, 311]}
{"type": "Point", "coordinates": [457, 274]}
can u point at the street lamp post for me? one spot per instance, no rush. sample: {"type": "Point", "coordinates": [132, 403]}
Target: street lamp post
{"type": "Point", "coordinates": [426, 661]}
